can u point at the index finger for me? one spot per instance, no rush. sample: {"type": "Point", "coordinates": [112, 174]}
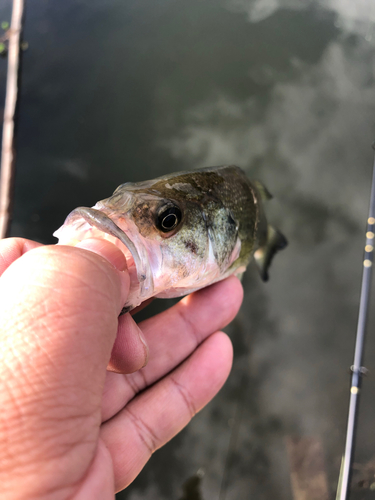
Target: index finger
{"type": "Point", "coordinates": [13, 248]}
{"type": "Point", "coordinates": [172, 336]}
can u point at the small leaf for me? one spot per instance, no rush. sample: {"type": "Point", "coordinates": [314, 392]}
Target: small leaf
{"type": "Point", "coordinates": [4, 25]}
{"type": "Point", "coordinates": [24, 45]}
{"type": "Point", "coordinates": [2, 48]}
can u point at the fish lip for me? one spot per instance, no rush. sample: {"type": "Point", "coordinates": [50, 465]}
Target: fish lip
{"type": "Point", "coordinates": [102, 221]}
{"type": "Point", "coordinates": [98, 218]}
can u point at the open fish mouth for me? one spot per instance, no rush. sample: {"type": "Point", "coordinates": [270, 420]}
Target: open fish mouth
{"type": "Point", "coordinates": [85, 222]}
{"type": "Point", "coordinates": [102, 222]}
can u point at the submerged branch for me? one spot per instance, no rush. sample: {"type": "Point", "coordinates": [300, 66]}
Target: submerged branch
{"type": "Point", "coordinates": [7, 152]}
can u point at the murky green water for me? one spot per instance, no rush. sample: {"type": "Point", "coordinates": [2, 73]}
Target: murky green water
{"type": "Point", "coordinates": [122, 91]}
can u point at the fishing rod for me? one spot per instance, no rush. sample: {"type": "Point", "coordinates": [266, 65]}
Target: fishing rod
{"type": "Point", "coordinates": [357, 369]}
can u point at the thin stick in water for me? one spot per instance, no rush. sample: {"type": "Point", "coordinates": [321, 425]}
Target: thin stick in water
{"type": "Point", "coordinates": [7, 152]}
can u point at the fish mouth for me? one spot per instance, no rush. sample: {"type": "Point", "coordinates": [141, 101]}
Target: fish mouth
{"type": "Point", "coordinates": [82, 219]}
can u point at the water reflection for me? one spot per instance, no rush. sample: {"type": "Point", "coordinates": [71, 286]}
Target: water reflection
{"type": "Point", "coordinates": [284, 88]}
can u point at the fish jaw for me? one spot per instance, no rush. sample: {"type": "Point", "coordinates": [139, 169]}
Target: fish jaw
{"type": "Point", "coordinates": [83, 223]}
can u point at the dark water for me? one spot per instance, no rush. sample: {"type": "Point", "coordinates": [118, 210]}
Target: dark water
{"type": "Point", "coordinates": [121, 91]}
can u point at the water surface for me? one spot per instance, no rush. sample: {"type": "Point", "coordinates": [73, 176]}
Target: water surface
{"type": "Point", "coordinates": [126, 91]}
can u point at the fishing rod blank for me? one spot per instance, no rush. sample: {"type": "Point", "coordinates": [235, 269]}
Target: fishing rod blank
{"type": "Point", "coordinates": [357, 368]}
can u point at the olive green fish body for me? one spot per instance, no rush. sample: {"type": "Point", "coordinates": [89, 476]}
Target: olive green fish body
{"type": "Point", "coordinates": [182, 231]}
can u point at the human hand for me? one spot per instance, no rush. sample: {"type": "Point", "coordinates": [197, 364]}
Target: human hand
{"type": "Point", "coordinates": [69, 428]}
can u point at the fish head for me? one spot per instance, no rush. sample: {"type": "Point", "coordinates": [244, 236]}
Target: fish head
{"type": "Point", "coordinates": [176, 238]}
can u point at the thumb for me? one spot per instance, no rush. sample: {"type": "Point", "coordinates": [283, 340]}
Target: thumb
{"type": "Point", "coordinates": [59, 310]}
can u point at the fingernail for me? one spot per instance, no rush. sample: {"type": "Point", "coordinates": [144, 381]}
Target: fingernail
{"type": "Point", "coordinates": [143, 340]}
{"type": "Point", "coordinates": [105, 249]}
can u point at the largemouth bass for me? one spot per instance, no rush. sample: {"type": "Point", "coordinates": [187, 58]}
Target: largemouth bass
{"type": "Point", "coordinates": [183, 231]}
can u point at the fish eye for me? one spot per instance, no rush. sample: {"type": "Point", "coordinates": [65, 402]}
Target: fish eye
{"type": "Point", "coordinates": [168, 218]}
